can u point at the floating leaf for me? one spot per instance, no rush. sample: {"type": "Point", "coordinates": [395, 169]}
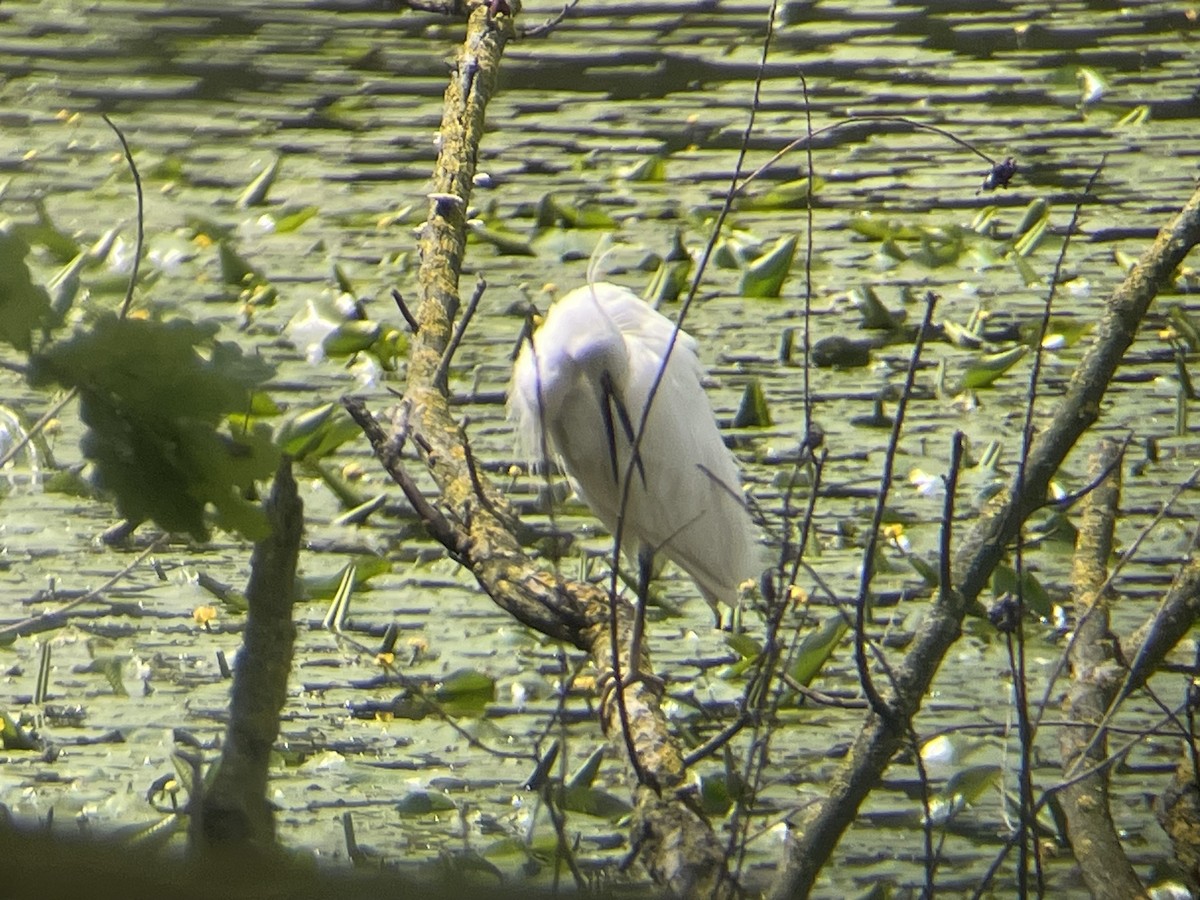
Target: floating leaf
{"type": "Point", "coordinates": [323, 587]}
{"type": "Point", "coordinates": [291, 220]}
{"type": "Point", "coordinates": [422, 803]}
{"type": "Point", "coordinates": [351, 337]}
{"type": "Point", "coordinates": [647, 169]}
{"type": "Point", "coordinates": [963, 789]}
{"type": "Point", "coordinates": [44, 233]}
{"type": "Point", "coordinates": [585, 776]}
{"type": "Point", "coordinates": [764, 276]}
{"type": "Point", "coordinates": [540, 776]}
{"type": "Point", "coordinates": [343, 282]}
{"type": "Point", "coordinates": [235, 268]}
{"type": "Point", "coordinates": [788, 195]}
{"type": "Point", "coordinates": [671, 279]}
{"type": "Point", "coordinates": [987, 369]}
{"type": "Point", "coordinates": [939, 247]}
{"type": "Point", "coordinates": [928, 572]}
{"type": "Point", "coordinates": [507, 243]}
{"type": "Point", "coordinates": [753, 411]}
{"type": "Point", "coordinates": [14, 737]}
{"type": "Point", "coordinates": [465, 692]}
{"type": "Point", "coordinates": [593, 801]}
{"type": "Point", "coordinates": [589, 214]}
{"type": "Point", "coordinates": [316, 432]}
{"type": "Point", "coordinates": [256, 192]}
{"type": "Point", "coordinates": [816, 648]}
{"type": "Point", "coordinates": [1091, 85]}
{"type": "Point", "coordinates": [745, 646]}
{"type": "Point", "coordinates": [874, 314]}
{"type": "Point", "coordinates": [1005, 581]}
{"type": "Point", "coordinates": [872, 225]}
{"type": "Point", "coordinates": [964, 338]}
{"type": "Point", "coordinates": [24, 306]}
{"type": "Point", "coordinates": [1032, 229]}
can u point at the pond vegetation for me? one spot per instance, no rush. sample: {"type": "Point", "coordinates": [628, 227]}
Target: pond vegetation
{"type": "Point", "coordinates": [285, 153]}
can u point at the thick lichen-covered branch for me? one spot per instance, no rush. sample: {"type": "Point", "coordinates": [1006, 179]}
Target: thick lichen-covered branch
{"type": "Point", "coordinates": [474, 521]}
{"type": "Point", "coordinates": [879, 739]}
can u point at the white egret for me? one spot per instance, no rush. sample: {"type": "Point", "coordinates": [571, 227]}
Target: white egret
{"type": "Point", "coordinates": [579, 390]}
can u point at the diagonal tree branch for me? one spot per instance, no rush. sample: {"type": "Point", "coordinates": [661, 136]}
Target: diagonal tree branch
{"type": "Point", "coordinates": [473, 519]}
{"type": "Point", "coordinates": [878, 741]}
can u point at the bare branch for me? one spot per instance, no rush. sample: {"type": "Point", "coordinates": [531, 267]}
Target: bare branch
{"type": "Point", "coordinates": [879, 739]}
{"type": "Point", "coordinates": [1094, 682]}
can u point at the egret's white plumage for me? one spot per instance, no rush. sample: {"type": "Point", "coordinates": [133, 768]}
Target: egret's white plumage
{"type": "Point", "coordinates": [578, 392]}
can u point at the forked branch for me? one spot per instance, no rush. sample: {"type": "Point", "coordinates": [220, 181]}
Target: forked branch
{"type": "Point", "coordinates": [472, 518]}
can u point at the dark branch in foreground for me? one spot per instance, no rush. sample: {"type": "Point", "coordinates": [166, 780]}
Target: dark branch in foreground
{"type": "Point", "coordinates": [233, 812]}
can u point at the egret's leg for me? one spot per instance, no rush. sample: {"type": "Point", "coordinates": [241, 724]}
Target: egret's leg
{"type": "Point", "coordinates": [634, 673]}
{"type": "Point", "coordinates": [645, 573]}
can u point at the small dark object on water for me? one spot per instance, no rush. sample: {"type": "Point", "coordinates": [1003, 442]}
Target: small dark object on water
{"type": "Point", "coordinates": [1000, 175]}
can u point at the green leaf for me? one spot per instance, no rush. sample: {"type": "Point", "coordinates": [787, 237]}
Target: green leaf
{"type": "Point", "coordinates": [323, 587]}
{"type": "Point", "coordinates": [24, 305]}
{"type": "Point", "coordinates": [874, 314]}
{"type": "Point", "coordinates": [465, 692]}
{"type": "Point", "coordinates": [648, 168]}
{"type": "Point", "coordinates": [46, 234]}
{"type": "Point", "coordinates": [672, 277]}
{"type": "Point", "coordinates": [987, 369]}
{"type": "Point", "coordinates": [764, 276]}
{"type": "Point", "coordinates": [588, 214]}
{"type": "Point", "coordinates": [963, 789]}
{"type": "Point", "coordinates": [753, 411]}
{"type": "Point", "coordinates": [507, 243]}
{"type": "Point", "coordinates": [788, 195]}
{"type": "Point", "coordinates": [745, 646]}
{"type": "Point", "coordinates": [585, 776]}
{"type": "Point", "coordinates": [14, 737]}
{"type": "Point", "coordinates": [928, 572]}
{"type": "Point", "coordinates": [292, 219]}
{"type": "Point", "coordinates": [256, 192]}
{"type": "Point", "coordinates": [154, 397]}
{"type": "Point", "coordinates": [235, 268]}
{"type": "Point", "coordinates": [816, 648]}
{"type": "Point", "coordinates": [343, 282]}
{"type": "Point", "coordinates": [1032, 228]}
{"type": "Point", "coordinates": [593, 801]}
{"type": "Point", "coordinates": [315, 433]}
{"type": "Point", "coordinates": [350, 337]}
{"type": "Point", "coordinates": [1005, 581]}
{"type": "Point", "coordinates": [422, 803]}
{"type": "Point", "coordinates": [871, 225]}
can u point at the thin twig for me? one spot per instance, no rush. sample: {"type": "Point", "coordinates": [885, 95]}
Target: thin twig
{"type": "Point", "coordinates": [460, 329]}
{"type": "Point", "coordinates": [549, 25]}
{"type": "Point", "coordinates": [413, 325]}
{"type": "Point", "coordinates": [903, 120]}
{"type": "Point", "coordinates": [141, 218]}
{"type": "Point", "coordinates": [49, 619]}
{"type": "Point", "coordinates": [878, 704]}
